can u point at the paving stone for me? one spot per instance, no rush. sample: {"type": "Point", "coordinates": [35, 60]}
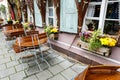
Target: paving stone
{"type": "Point", "coordinates": [7, 72]}
{"type": "Point", "coordinates": [44, 66]}
{"type": "Point", "coordinates": [51, 56]}
{"type": "Point", "coordinates": [21, 66]}
{"type": "Point", "coordinates": [9, 55]}
{"type": "Point", "coordinates": [56, 60]}
{"type": "Point", "coordinates": [44, 75]}
{"type": "Point", "coordinates": [32, 70]}
{"type": "Point", "coordinates": [69, 74]}
{"type": "Point", "coordinates": [31, 78]}
{"type": "Point", "coordinates": [1, 57]}
{"type": "Point", "coordinates": [2, 67]}
{"type": "Point", "coordinates": [65, 64]}
{"type": "Point", "coordinates": [7, 78]}
{"type": "Point", "coordinates": [18, 76]}
{"type": "Point", "coordinates": [57, 77]}
{"type": "Point", "coordinates": [5, 60]}
{"type": "Point", "coordinates": [56, 69]}
{"type": "Point", "coordinates": [12, 63]}
{"type": "Point", "coordinates": [78, 67]}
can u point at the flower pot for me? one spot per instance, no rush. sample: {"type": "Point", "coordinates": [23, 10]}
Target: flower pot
{"type": "Point", "coordinates": [10, 22]}
{"type": "Point", "coordinates": [56, 36]}
{"type": "Point", "coordinates": [53, 36]}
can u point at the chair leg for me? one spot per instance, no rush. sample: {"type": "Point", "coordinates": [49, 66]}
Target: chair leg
{"type": "Point", "coordinates": [42, 58]}
{"type": "Point", "coordinates": [37, 62]}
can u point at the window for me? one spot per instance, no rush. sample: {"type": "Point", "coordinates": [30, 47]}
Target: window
{"type": "Point", "coordinates": [112, 17]}
{"type": "Point", "coordinates": [92, 17]}
{"type": "Point", "coordinates": [50, 13]}
{"type": "Point", "coordinates": [104, 15]}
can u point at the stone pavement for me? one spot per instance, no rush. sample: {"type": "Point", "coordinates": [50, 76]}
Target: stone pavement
{"type": "Point", "coordinates": [61, 66]}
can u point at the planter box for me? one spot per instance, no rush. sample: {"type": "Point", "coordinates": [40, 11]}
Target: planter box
{"type": "Point", "coordinates": [102, 51]}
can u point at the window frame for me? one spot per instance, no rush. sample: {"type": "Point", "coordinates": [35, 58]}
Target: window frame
{"type": "Point", "coordinates": [102, 17]}
{"type": "Point", "coordinates": [47, 15]}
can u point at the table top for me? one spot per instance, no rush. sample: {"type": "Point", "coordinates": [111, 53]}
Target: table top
{"type": "Point", "coordinates": [30, 43]}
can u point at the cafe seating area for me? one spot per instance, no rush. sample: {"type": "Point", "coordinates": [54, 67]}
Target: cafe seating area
{"type": "Point", "coordinates": [32, 47]}
{"type": "Point", "coordinates": [26, 44]}
{"type": "Point", "coordinates": [32, 58]}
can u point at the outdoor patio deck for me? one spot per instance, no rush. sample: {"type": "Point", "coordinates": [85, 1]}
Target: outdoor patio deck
{"type": "Point", "coordinates": [64, 45]}
{"type": "Point", "coordinates": [62, 67]}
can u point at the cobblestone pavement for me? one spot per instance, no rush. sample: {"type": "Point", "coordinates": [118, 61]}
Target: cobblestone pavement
{"type": "Point", "coordinates": [61, 67]}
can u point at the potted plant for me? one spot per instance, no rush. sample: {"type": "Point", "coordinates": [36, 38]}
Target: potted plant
{"type": "Point", "coordinates": [84, 39]}
{"type": "Point", "coordinates": [26, 26]}
{"type": "Point", "coordinates": [52, 32]}
{"type": "Point", "coordinates": [9, 21]}
{"type": "Point", "coordinates": [95, 43]}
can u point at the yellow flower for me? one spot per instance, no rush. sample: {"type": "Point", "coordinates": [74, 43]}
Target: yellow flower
{"type": "Point", "coordinates": [54, 30]}
{"type": "Point", "coordinates": [108, 41]}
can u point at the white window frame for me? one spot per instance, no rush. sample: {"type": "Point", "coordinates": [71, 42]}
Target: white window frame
{"type": "Point", "coordinates": [54, 15]}
{"type": "Point", "coordinates": [102, 17]}
{"type": "Point", "coordinates": [30, 16]}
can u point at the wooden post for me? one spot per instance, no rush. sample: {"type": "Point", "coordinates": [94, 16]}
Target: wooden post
{"type": "Point", "coordinates": [82, 8]}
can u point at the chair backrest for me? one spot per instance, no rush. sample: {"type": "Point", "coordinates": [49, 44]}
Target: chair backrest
{"type": "Point", "coordinates": [7, 28]}
{"type": "Point", "coordinates": [32, 32]}
{"type": "Point", "coordinates": [18, 25]}
{"type": "Point", "coordinates": [7, 25]}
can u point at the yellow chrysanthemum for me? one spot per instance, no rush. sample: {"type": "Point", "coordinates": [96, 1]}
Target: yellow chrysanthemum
{"type": "Point", "coordinates": [108, 42]}
{"type": "Point", "coordinates": [54, 30]}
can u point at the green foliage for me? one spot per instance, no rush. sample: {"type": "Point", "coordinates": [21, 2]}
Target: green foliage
{"type": "Point", "coordinates": [94, 41]}
{"type": "Point", "coordinates": [2, 8]}
{"type": "Point", "coordinates": [47, 29]}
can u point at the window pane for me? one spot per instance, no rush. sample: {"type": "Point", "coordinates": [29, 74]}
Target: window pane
{"type": "Point", "coordinates": [51, 12]}
{"type": "Point", "coordinates": [50, 4]}
{"type": "Point", "coordinates": [50, 21]}
{"type": "Point", "coordinates": [92, 24]}
{"type": "Point", "coordinates": [112, 10]}
{"type": "Point", "coordinates": [97, 11]}
{"type": "Point", "coordinates": [93, 11]}
{"type": "Point", "coordinates": [111, 27]}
